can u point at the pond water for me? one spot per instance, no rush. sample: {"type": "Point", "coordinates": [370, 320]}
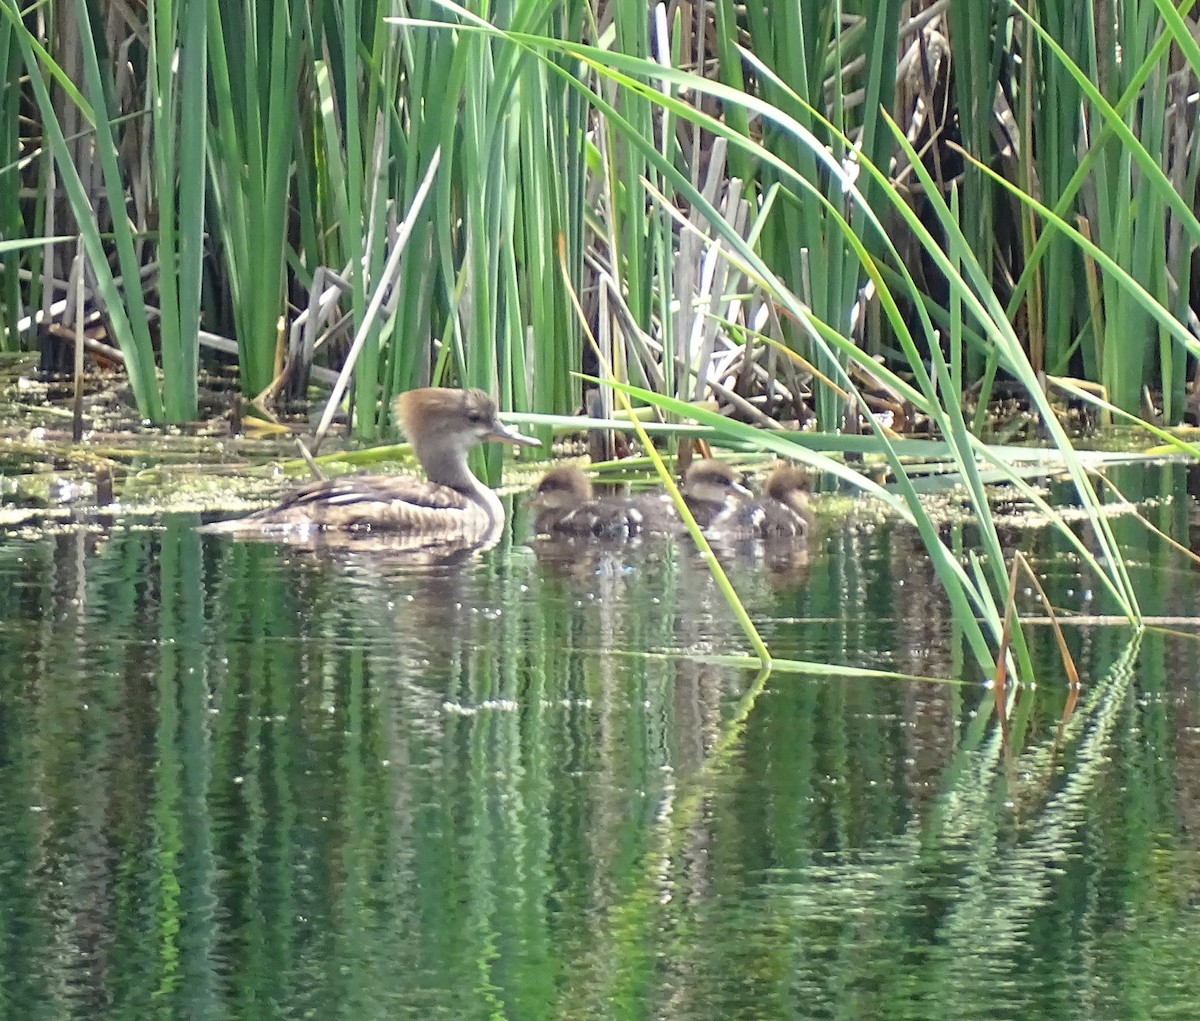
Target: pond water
{"type": "Point", "coordinates": [242, 781]}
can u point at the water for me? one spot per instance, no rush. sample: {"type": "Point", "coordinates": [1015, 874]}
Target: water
{"type": "Point", "coordinates": [239, 781]}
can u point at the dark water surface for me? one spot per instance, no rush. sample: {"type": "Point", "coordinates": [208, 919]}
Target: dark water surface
{"type": "Point", "coordinates": [240, 781]}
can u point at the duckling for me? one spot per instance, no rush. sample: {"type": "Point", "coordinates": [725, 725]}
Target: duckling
{"type": "Point", "coordinates": [567, 508]}
{"type": "Point", "coordinates": [780, 514]}
{"type": "Point", "coordinates": [710, 488]}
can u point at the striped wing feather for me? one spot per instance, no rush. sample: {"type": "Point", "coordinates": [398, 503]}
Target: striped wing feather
{"type": "Point", "coordinates": [397, 503]}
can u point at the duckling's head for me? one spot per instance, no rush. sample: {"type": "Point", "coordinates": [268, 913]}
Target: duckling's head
{"type": "Point", "coordinates": [710, 481]}
{"type": "Point", "coordinates": [562, 489]}
{"type": "Point", "coordinates": [789, 485]}
{"type": "Point", "coordinates": [450, 417]}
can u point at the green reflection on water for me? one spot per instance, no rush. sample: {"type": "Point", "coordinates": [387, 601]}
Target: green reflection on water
{"type": "Point", "coordinates": [240, 781]}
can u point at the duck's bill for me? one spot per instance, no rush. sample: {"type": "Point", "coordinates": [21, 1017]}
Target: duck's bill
{"type": "Point", "coordinates": [741, 490]}
{"type": "Point", "coordinates": [502, 433]}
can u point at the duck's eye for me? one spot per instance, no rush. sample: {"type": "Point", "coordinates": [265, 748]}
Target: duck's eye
{"type": "Point", "coordinates": [475, 418]}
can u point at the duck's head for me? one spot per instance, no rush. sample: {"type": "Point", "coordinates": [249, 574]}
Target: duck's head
{"type": "Point", "coordinates": [789, 485]}
{"type": "Point", "coordinates": [562, 489]}
{"type": "Point", "coordinates": [442, 416]}
{"type": "Point", "coordinates": [710, 481]}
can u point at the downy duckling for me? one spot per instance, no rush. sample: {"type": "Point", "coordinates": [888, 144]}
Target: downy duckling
{"type": "Point", "coordinates": [567, 508]}
{"type": "Point", "coordinates": [780, 514]}
{"type": "Point", "coordinates": [710, 488]}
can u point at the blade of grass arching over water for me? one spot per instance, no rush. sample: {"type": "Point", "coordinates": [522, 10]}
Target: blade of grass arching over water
{"type": "Point", "coordinates": [986, 308]}
{"type": "Point", "coordinates": [603, 63]}
{"type": "Point", "coordinates": [745, 621]}
{"type": "Point", "coordinates": [959, 587]}
{"type": "Point", "coordinates": [797, 667]}
{"type": "Point", "coordinates": [925, 458]}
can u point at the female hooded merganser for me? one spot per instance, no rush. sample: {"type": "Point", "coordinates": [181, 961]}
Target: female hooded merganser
{"type": "Point", "coordinates": [453, 508]}
{"type": "Point", "coordinates": [780, 514]}
{"type": "Point", "coordinates": [567, 508]}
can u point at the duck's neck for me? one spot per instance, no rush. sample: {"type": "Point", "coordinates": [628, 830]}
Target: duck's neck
{"type": "Point", "coordinates": [445, 462]}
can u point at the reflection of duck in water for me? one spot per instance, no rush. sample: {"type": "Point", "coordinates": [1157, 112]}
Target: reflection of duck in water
{"type": "Point", "coordinates": [452, 511]}
{"type": "Point", "coordinates": [780, 514]}
{"type": "Point", "coordinates": [567, 508]}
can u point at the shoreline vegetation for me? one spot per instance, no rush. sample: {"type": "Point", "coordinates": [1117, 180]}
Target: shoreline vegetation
{"type": "Point", "coordinates": [826, 232]}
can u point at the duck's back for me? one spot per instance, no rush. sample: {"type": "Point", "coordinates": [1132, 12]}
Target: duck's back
{"type": "Point", "coordinates": [658, 514]}
{"type": "Point", "coordinates": [597, 518]}
{"type": "Point", "coordinates": [779, 521]}
{"type": "Point", "coordinates": [761, 519]}
{"type": "Point", "coordinates": [394, 504]}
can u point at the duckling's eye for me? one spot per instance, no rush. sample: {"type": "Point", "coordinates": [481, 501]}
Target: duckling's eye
{"type": "Point", "coordinates": [475, 418]}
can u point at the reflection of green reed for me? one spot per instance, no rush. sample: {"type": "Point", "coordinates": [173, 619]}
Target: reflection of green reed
{"type": "Point", "coordinates": [537, 130]}
{"type": "Point", "coordinates": [832, 889]}
{"type": "Point", "coordinates": [276, 784]}
{"type": "Point", "coordinates": [27, 776]}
